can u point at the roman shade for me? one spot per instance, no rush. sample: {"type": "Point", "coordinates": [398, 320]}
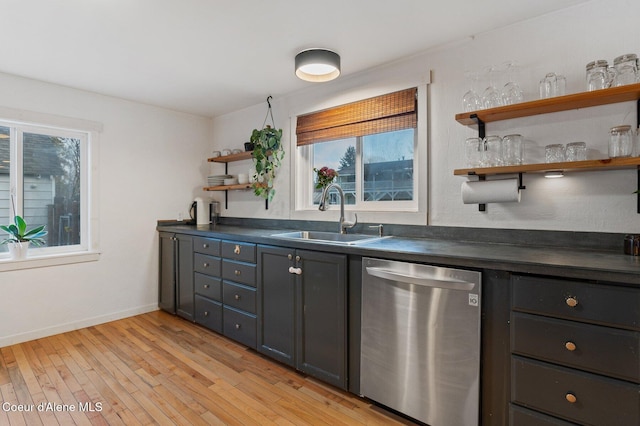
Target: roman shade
{"type": "Point", "coordinates": [385, 113]}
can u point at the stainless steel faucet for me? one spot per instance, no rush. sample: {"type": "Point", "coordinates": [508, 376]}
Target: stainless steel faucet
{"type": "Point", "coordinates": [344, 224]}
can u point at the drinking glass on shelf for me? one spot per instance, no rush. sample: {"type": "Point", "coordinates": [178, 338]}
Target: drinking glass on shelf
{"type": "Point", "coordinates": [554, 153]}
{"type": "Point", "coordinates": [511, 91]}
{"type": "Point", "coordinates": [491, 97]}
{"type": "Point", "coordinates": [474, 151]}
{"type": "Point", "coordinates": [471, 101]}
{"type": "Point", "coordinates": [599, 75]}
{"type": "Point", "coordinates": [626, 69]}
{"type": "Point", "coordinates": [492, 151]}
{"type": "Point", "coordinates": [512, 149]}
{"type": "Point", "coordinates": [552, 85]}
{"type": "Point", "coordinates": [576, 151]}
{"type": "Point", "coordinates": [620, 141]}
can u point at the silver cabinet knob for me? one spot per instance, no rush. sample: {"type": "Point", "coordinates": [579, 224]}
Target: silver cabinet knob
{"type": "Point", "coordinates": [237, 272]}
{"type": "Point", "coordinates": [205, 245]}
{"type": "Point", "coordinates": [237, 297]}
{"type": "Point", "coordinates": [206, 286]}
{"type": "Point", "coordinates": [205, 264]}
{"type": "Point", "coordinates": [237, 326]}
{"type": "Point", "coordinates": [206, 314]}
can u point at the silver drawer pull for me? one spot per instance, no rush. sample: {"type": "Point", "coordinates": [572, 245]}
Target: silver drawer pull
{"type": "Point", "coordinates": [237, 326]}
{"type": "Point", "coordinates": [237, 297]}
{"type": "Point", "coordinates": [570, 346]}
{"type": "Point", "coordinates": [205, 264]}
{"type": "Point", "coordinates": [205, 245]}
{"type": "Point", "coordinates": [237, 272]}
{"type": "Point", "coordinates": [571, 301]}
{"type": "Point", "coordinates": [571, 398]}
{"type": "Point", "coordinates": [206, 286]}
{"type": "Point", "coordinates": [206, 314]}
{"type": "Point", "coordinates": [236, 249]}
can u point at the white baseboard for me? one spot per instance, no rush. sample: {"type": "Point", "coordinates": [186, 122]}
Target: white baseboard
{"type": "Point", "coordinates": [63, 328]}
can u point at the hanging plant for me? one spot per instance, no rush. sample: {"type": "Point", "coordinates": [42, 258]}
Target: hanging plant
{"type": "Point", "coordinates": [267, 156]}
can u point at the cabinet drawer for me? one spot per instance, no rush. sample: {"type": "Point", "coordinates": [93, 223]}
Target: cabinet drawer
{"type": "Point", "coordinates": [208, 286]}
{"type": "Point", "coordinates": [598, 400]}
{"type": "Point", "coordinates": [243, 273]}
{"type": "Point", "coordinates": [240, 327]}
{"type": "Point", "coordinates": [206, 264]}
{"type": "Point", "coordinates": [519, 416]}
{"type": "Point", "coordinates": [239, 297]}
{"type": "Point", "coordinates": [598, 349]}
{"type": "Point", "coordinates": [245, 252]}
{"type": "Point", "coordinates": [596, 303]}
{"type": "Point", "coordinates": [209, 246]}
{"type": "Point", "coordinates": [209, 313]}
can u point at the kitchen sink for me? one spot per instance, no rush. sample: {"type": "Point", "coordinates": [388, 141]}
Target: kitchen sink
{"type": "Point", "coordinates": [328, 237]}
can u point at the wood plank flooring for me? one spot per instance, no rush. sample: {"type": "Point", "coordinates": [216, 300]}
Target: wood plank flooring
{"type": "Point", "coordinates": [159, 369]}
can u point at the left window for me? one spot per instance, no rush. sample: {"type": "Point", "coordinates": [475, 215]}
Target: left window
{"type": "Point", "coordinates": [44, 179]}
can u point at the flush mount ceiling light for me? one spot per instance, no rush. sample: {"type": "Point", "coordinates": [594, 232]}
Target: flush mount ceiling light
{"type": "Point", "coordinates": [317, 65]}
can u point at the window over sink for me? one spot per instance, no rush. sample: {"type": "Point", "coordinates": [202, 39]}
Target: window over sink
{"type": "Point", "coordinates": [371, 144]}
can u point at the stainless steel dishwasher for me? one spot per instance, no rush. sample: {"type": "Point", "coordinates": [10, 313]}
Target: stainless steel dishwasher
{"type": "Point", "coordinates": [420, 352]}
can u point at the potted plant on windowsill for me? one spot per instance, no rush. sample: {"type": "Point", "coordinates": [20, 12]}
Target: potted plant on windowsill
{"type": "Point", "coordinates": [19, 238]}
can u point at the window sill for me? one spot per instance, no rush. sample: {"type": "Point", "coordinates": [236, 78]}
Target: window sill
{"type": "Point", "coordinates": [31, 262]}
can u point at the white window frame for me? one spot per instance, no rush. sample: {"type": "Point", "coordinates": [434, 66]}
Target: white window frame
{"type": "Point", "coordinates": [88, 133]}
{"type": "Point", "coordinates": [302, 169]}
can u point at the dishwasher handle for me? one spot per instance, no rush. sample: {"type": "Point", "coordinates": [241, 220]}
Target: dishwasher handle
{"type": "Point", "coordinates": [424, 280]}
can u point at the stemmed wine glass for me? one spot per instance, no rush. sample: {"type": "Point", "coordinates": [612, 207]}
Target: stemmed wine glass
{"type": "Point", "coordinates": [491, 97]}
{"type": "Point", "coordinates": [511, 91]}
{"type": "Point", "coordinates": [471, 101]}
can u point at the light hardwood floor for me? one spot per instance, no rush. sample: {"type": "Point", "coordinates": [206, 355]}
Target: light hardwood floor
{"type": "Point", "coordinates": [159, 369]}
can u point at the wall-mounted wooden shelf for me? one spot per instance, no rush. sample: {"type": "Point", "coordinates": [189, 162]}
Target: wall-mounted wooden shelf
{"type": "Point", "coordinates": [613, 95]}
{"type": "Point", "coordinates": [246, 155]}
{"type": "Point", "coordinates": [566, 166]}
{"type": "Point", "coordinates": [230, 158]}
{"type": "Point", "coordinates": [236, 187]}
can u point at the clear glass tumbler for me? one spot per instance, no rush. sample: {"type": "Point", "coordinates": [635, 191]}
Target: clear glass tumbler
{"type": "Point", "coordinates": [552, 85]}
{"type": "Point", "coordinates": [474, 151]}
{"type": "Point", "coordinates": [576, 151]}
{"type": "Point", "coordinates": [493, 151]}
{"type": "Point", "coordinates": [620, 141]}
{"type": "Point", "coordinates": [512, 150]}
{"type": "Point", "coordinates": [554, 153]}
{"type": "Point", "coordinates": [599, 76]}
{"type": "Point", "coordinates": [626, 69]}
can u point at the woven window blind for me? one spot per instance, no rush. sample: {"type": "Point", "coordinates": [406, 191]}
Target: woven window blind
{"type": "Point", "coordinates": [386, 113]}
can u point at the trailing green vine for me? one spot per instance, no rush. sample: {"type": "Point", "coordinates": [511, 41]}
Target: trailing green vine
{"type": "Point", "coordinates": [267, 157]}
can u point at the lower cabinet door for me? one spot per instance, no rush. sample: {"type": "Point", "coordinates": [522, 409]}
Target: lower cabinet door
{"type": "Point", "coordinates": [573, 395]}
{"type": "Point", "coordinates": [239, 326]}
{"type": "Point", "coordinates": [321, 344]}
{"type": "Point", "coordinates": [276, 304]}
{"type": "Point", "coordinates": [208, 313]}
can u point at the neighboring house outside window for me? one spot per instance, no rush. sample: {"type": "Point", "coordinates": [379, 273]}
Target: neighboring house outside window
{"type": "Point", "coordinates": [44, 177]}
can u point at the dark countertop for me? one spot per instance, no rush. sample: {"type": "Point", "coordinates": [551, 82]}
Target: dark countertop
{"type": "Point", "coordinates": [586, 264]}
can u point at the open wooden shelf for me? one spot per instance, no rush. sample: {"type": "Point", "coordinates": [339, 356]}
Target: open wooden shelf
{"type": "Point", "coordinates": [613, 95]}
{"type": "Point", "coordinates": [230, 158]}
{"type": "Point", "coordinates": [238, 187]}
{"type": "Point", "coordinates": [565, 166]}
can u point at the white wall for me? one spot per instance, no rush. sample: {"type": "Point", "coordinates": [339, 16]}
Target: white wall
{"type": "Point", "coordinates": [563, 42]}
{"type": "Point", "coordinates": [152, 163]}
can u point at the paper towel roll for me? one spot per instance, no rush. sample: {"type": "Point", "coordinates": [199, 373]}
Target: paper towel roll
{"type": "Point", "coordinates": [490, 191]}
